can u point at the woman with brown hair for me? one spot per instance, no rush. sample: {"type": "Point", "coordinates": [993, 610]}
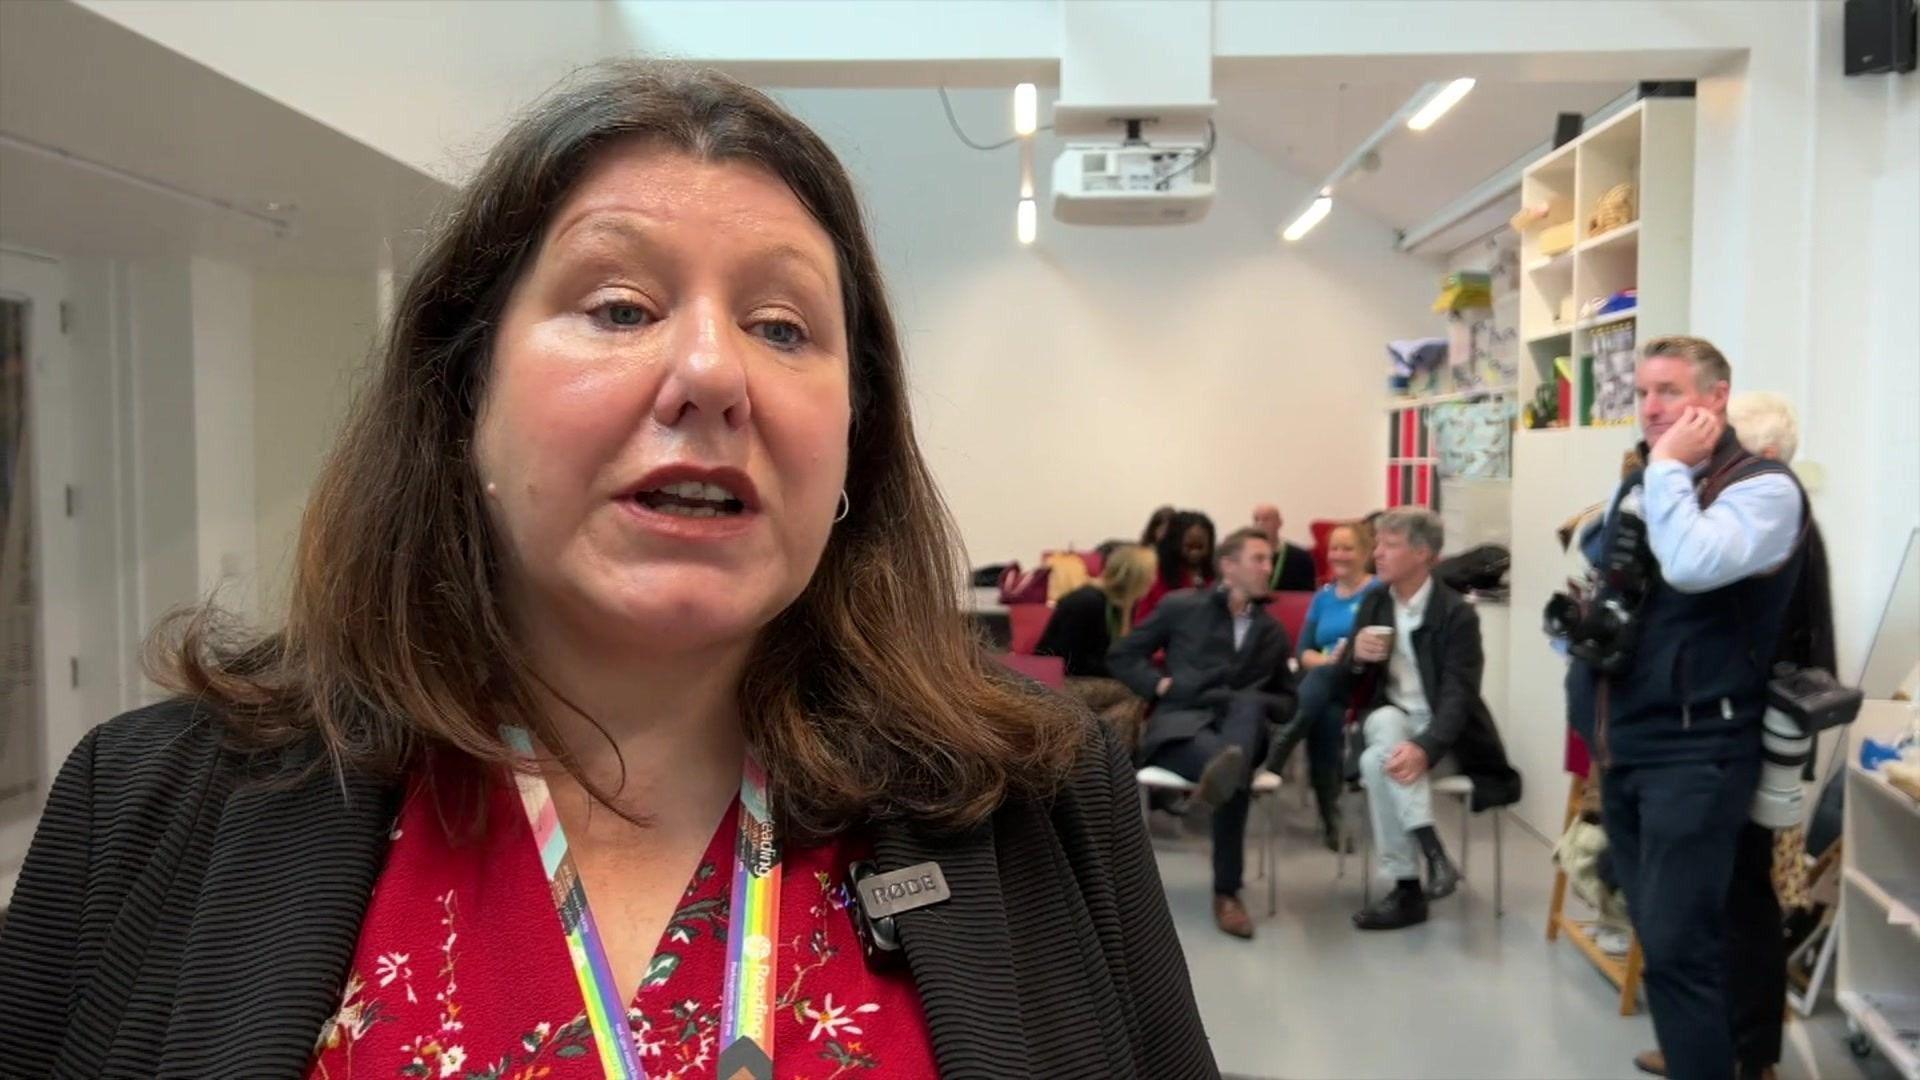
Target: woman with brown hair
{"type": "Point", "coordinates": [624, 718]}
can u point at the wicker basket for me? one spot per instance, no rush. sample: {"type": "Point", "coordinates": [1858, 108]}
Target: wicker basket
{"type": "Point", "coordinates": [1614, 209]}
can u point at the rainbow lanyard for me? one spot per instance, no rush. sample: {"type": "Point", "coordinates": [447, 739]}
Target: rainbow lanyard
{"type": "Point", "coordinates": [746, 1016]}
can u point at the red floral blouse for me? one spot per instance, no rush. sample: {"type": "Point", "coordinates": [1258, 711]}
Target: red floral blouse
{"type": "Point", "coordinates": [462, 969]}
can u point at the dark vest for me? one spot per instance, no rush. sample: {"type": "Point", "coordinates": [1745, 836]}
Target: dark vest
{"type": "Point", "coordinates": [1696, 686]}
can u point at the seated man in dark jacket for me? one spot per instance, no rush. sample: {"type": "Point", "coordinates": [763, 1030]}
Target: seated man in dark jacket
{"type": "Point", "coordinates": [1413, 666]}
{"type": "Point", "coordinates": [1226, 680]}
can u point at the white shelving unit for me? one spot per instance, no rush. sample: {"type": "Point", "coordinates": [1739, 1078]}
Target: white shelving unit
{"type": "Point", "coordinates": [1879, 984]}
{"type": "Point", "coordinates": [1649, 146]}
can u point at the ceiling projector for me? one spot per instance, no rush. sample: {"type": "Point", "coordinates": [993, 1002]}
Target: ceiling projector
{"type": "Point", "coordinates": [1133, 164]}
{"type": "Point", "coordinates": [1132, 184]}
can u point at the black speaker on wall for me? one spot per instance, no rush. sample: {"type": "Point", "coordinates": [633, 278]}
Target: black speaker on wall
{"type": "Point", "coordinates": [1879, 36]}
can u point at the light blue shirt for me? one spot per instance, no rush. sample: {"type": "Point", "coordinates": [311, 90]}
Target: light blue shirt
{"type": "Point", "coordinates": [1750, 529]}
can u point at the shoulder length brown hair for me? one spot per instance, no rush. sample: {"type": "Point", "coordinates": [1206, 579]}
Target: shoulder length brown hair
{"type": "Point", "coordinates": [868, 697]}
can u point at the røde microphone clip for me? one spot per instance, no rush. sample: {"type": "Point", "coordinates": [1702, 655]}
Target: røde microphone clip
{"type": "Point", "coordinates": [879, 897]}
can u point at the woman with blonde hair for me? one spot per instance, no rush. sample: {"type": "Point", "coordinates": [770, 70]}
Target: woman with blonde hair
{"type": "Point", "coordinates": [1086, 623]}
{"type": "Point", "coordinates": [624, 683]}
{"type": "Point", "coordinates": [1089, 619]}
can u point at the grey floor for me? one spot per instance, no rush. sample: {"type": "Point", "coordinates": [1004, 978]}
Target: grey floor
{"type": "Point", "coordinates": [1465, 995]}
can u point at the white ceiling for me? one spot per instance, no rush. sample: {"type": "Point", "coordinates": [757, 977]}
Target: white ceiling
{"type": "Point", "coordinates": [1308, 130]}
{"type": "Point", "coordinates": [82, 85]}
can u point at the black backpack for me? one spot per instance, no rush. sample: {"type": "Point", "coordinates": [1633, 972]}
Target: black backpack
{"type": "Point", "coordinates": [1483, 568]}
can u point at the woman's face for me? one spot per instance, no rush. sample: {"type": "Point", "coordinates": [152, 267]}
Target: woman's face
{"type": "Point", "coordinates": [1193, 548]}
{"type": "Point", "coordinates": [1343, 554]}
{"type": "Point", "coordinates": [664, 435]}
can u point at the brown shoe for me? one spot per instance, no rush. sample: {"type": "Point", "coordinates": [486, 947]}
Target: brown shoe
{"type": "Point", "coordinates": [1230, 915]}
{"type": "Point", "coordinates": [1651, 1062]}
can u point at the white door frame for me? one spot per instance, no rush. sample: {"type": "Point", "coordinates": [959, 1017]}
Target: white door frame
{"type": "Point", "coordinates": [40, 281]}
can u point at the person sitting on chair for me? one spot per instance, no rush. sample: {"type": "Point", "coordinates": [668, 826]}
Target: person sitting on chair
{"type": "Point", "coordinates": [1328, 626]}
{"type": "Point", "coordinates": [1186, 556]}
{"type": "Point", "coordinates": [1413, 666]}
{"type": "Point", "coordinates": [1226, 680]}
{"type": "Point", "coordinates": [1293, 569]}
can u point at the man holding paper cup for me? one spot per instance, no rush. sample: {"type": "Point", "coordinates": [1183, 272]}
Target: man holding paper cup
{"type": "Point", "coordinates": [1413, 670]}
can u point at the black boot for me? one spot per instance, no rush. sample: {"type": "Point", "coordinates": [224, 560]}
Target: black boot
{"type": "Point", "coordinates": [1402, 907]}
{"type": "Point", "coordinates": [1442, 876]}
{"type": "Point", "coordinates": [1327, 789]}
{"type": "Point", "coordinates": [1290, 736]}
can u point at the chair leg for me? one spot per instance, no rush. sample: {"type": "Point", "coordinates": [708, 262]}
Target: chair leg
{"type": "Point", "coordinates": [1575, 791]}
{"type": "Point", "coordinates": [1466, 839]}
{"type": "Point", "coordinates": [1264, 845]}
{"type": "Point", "coordinates": [1271, 841]}
{"type": "Point", "coordinates": [1499, 867]}
{"type": "Point", "coordinates": [1630, 983]}
{"type": "Point", "coordinates": [1366, 864]}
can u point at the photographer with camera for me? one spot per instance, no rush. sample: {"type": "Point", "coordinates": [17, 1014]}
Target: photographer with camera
{"type": "Point", "coordinates": [1701, 583]}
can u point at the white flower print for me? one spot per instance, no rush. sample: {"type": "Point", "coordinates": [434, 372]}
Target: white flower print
{"type": "Point", "coordinates": [831, 1020]}
{"type": "Point", "coordinates": [451, 1060]}
{"type": "Point", "coordinates": [392, 966]}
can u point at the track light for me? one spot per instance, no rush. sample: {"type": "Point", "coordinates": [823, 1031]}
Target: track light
{"type": "Point", "coordinates": [1026, 109]}
{"type": "Point", "coordinates": [1438, 104]}
{"type": "Point", "coordinates": [1309, 217]}
{"type": "Point", "coordinates": [1027, 221]}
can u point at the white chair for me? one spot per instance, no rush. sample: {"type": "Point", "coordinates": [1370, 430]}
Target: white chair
{"type": "Point", "coordinates": [1460, 787]}
{"type": "Point", "coordinates": [1453, 787]}
{"type": "Point", "coordinates": [1266, 788]}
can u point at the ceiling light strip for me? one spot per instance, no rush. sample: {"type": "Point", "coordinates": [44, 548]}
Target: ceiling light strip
{"type": "Point", "coordinates": [161, 187]}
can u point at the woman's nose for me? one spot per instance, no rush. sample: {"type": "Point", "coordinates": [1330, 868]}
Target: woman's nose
{"type": "Point", "coordinates": [707, 377]}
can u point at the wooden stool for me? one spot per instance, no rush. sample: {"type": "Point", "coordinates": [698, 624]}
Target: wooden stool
{"type": "Point", "coordinates": [1623, 972]}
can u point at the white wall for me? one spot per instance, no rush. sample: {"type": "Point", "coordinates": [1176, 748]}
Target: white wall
{"type": "Point", "coordinates": [312, 335]}
{"type": "Point", "coordinates": [223, 433]}
{"type": "Point", "coordinates": [1806, 270]}
{"type": "Point", "coordinates": [1065, 390]}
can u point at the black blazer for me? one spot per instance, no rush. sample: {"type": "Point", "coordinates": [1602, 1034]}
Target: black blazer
{"type": "Point", "coordinates": [1196, 630]}
{"type": "Point", "coordinates": [1293, 569]}
{"type": "Point", "coordinates": [187, 912]}
{"type": "Point", "coordinates": [1078, 633]}
{"type": "Point", "coordinates": [1447, 648]}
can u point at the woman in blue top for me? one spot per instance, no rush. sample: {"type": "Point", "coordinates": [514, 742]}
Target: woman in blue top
{"type": "Point", "coordinates": [1329, 624]}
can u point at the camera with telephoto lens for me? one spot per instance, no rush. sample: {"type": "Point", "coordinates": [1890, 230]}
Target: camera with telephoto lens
{"type": "Point", "coordinates": [1801, 703]}
{"type": "Point", "coordinates": [1600, 620]}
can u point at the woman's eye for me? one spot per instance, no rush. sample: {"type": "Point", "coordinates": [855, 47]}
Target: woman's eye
{"type": "Point", "coordinates": [783, 334]}
{"type": "Point", "coordinates": [622, 314]}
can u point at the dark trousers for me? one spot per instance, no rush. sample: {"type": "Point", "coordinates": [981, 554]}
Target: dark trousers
{"type": "Point", "coordinates": [1756, 952]}
{"type": "Point", "coordinates": [1241, 723]}
{"type": "Point", "coordinates": [1674, 832]}
{"type": "Point", "coordinates": [1316, 721]}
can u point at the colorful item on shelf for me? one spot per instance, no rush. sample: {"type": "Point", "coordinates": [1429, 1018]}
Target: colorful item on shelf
{"type": "Point", "coordinates": [1529, 218]}
{"type": "Point", "coordinates": [1410, 464]}
{"type": "Point", "coordinates": [1464, 290]}
{"type": "Point", "coordinates": [1614, 210]}
{"type": "Point", "coordinates": [1586, 391]}
{"type": "Point", "coordinates": [1416, 364]}
{"type": "Point", "coordinates": [1473, 439]}
{"type": "Point", "coordinates": [1563, 389]}
{"type": "Point", "coordinates": [1613, 362]}
{"type": "Point", "coordinates": [1475, 348]}
{"type": "Point", "coordinates": [1555, 239]}
{"type": "Point", "coordinates": [1613, 304]}
{"type": "Point", "coordinates": [1543, 410]}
